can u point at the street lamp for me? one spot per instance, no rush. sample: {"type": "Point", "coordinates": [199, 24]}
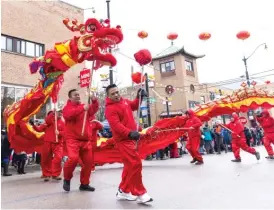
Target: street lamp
{"type": "Point", "coordinates": [110, 68]}
{"type": "Point", "coordinates": [245, 59]}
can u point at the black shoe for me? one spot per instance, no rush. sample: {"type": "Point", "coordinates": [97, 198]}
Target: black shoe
{"type": "Point", "coordinates": [236, 160]}
{"type": "Point", "coordinates": [257, 154]}
{"type": "Point", "coordinates": [193, 161]}
{"type": "Point", "coordinates": [58, 178]}
{"type": "Point", "coordinates": [66, 185]}
{"type": "Point", "coordinates": [199, 162]}
{"type": "Point", "coordinates": [86, 187]}
{"type": "Point", "coordinates": [270, 157]}
{"type": "Point", "coordinates": [46, 179]}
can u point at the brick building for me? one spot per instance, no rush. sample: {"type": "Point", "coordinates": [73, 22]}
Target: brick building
{"type": "Point", "coordinates": [29, 28]}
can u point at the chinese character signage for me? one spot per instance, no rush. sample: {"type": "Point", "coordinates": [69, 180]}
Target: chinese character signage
{"type": "Point", "coordinates": [85, 78]}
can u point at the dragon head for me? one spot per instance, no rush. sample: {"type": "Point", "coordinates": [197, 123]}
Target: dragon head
{"type": "Point", "coordinates": [97, 37]}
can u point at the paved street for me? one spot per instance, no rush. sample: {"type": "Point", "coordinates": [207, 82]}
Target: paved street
{"type": "Point", "coordinates": [172, 183]}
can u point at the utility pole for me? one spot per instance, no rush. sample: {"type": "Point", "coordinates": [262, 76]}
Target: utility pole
{"type": "Point", "coordinates": [110, 68]}
{"type": "Point", "coordinates": [223, 116]}
{"type": "Point", "coordinates": [167, 107]}
{"type": "Point", "coordinates": [148, 101]}
{"type": "Point", "coordinates": [246, 71]}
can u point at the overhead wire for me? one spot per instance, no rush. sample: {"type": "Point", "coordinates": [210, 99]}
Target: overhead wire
{"type": "Point", "coordinates": [216, 84]}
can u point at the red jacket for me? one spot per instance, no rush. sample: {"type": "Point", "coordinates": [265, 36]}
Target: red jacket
{"type": "Point", "coordinates": [194, 122]}
{"type": "Point", "coordinates": [236, 127]}
{"type": "Point", "coordinates": [120, 117]}
{"type": "Point", "coordinates": [49, 128]}
{"type": "Point", "coordinates": [73, 114]}
{"type": "Point", "coordinates": [267, 122]}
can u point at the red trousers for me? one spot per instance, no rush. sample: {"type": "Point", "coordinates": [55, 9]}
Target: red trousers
{"type": "Point", "coordinates": [78, 149]}
{"type": "Point", "coordinates": [268, 139]}
{"type": "Point", "coordinates": [93, 151]}
{"type": "Point", "coordinates": [193, 146]}
{"type": "Point", "coordinates": [238, 144]}
{"type": "Point", "coordinates": [132, 172]}
{"type": "Point", "coordinates": [51, 159]}
{"type": "Point", "coordinates": [174, 150]}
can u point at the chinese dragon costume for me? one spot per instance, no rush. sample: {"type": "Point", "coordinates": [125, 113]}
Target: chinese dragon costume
{"type": "Point", "coordinates": [92, 45]}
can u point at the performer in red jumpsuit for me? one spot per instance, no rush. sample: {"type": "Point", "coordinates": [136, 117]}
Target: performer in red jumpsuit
{"type": "Point", "coordinates": [78, 145]}
{"type": "Point", "coordinates": [52, 151]}
{"type": "Point", "coordinates": [193, 123]}
{"type": "Point", "coordinates": [95, 126]}
{"type": "Point", "coordinates": [267, 123]}
{"type": "Point", "coordinates": [238, 139]}
{"type": "Point", "coordinates": [119, 113]}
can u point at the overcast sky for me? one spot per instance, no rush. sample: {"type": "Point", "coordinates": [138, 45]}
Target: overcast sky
{"type": "Point", "coordinates": [222, 18]}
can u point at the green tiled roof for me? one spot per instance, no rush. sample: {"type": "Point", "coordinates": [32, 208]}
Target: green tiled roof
{"type": "Point", "coordinates": [173, 50]}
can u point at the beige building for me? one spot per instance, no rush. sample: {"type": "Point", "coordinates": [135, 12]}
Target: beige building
{"type": "Point", "coordinates": [177, 68]}
{"type": "Point", "coordinates": [29, 28]}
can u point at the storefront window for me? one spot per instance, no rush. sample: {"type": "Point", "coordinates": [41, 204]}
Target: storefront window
{"type": "Point", "coordinates": [11, 94]}
{"type": "Point", "coordinates": [7, 98]}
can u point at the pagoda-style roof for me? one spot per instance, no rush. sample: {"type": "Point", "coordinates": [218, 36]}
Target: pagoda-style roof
{"type": "Point", "coordinates": [173, 50]}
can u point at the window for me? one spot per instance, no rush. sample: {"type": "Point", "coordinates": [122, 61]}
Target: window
{"type": "Point", "coordinates": [30, 49]}
{"type": "Point", "coordinates": [9, 44]}
{"type": "Point", "coordinates": [20, 46]}
{"type": "Point", "coordinates": [11, 94]}
{"type": "Point", "coordinates": [3, 42]}
{"type": "Point", "coordinates": [189, 66]}
{"type": "Point", "coordinates": [203, 99]}
{"type": "Point", "coordinates": [192, 104]}
{"type": "Point", "coordinates": [167, 66]}
{"type": "Point", "coordinates": [23, 47]}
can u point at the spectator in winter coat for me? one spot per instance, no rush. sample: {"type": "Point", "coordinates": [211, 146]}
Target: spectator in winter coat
{"type": "Point", "coordinates": [5, 152]}
{"type": "Point", "coordinates": [208, 140]}
{"type": "Point", "coordinates": [248, 136]}
{"type": "Point", "coordinates": [227, 139]}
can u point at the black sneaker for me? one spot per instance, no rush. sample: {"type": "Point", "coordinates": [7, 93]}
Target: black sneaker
{"type": "Point", "coordinates": [193, 161]}
{"type": "Point", "coordinates": [199, 162]}
{"type": "Point", "coordinates": [66, 185]}
{"type": "Point", "coordinates": [86, 187]}
{"type": "Point", "coordinates": [236, 160]}
{"type": "Point", "coordinates": [257, 154]}
{"type": "Point", "coordinates": [46, 179]}
{"type": "Point", "coordinates": [270, 157]}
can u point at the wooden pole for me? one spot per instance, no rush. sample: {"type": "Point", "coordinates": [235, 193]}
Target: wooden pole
{"type": "Point", "coordinates": [56, 128]}
{"type": "Point", "coordinates": [86, 112]}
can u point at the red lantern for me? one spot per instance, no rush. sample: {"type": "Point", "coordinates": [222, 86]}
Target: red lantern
{"type": "Point", "coordinates": [136, 78]}
{"type": "Point", "coordinates": [143, 34]}
{"type": "Point", "coordinates": [243, 35]}
{"type": "Point", "coordinates": [253, 83]}
{"type": "Point", "coordinates": [143, 57]}
{"type": "Point", "coordinates": [172, 36]}
{"type": "Point", "coordinates": [204, 36]}
{"type": "Point", "coordinates": [267, 82]}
